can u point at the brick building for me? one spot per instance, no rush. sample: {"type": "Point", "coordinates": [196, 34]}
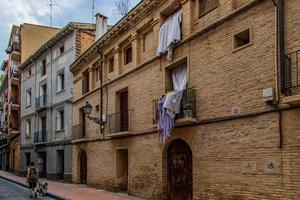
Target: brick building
{"type": "Point", "coordinates": [46, 107]}
{"type": "Point", "coordinates": [23, 41]}
{"type": "Point", "coordinates": [237, 135]}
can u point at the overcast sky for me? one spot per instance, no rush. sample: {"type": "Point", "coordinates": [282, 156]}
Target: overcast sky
{"type": "Point", "coordinates": [37, 12]}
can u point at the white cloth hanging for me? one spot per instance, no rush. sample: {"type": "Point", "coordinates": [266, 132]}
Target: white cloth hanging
{"type": "Point", "coordinates": [169, 34]}
{"type": "Point", "coordinates": [173, 100]}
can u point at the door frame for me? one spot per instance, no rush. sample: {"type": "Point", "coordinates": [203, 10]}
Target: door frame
{"type": "Point", "coordinates": [167, 175]}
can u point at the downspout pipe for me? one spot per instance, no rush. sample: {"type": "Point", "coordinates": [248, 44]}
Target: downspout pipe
{"type": "Point", "coordinates": [101, 93]}
{"type": "Point", "coordinates": [280, 12]}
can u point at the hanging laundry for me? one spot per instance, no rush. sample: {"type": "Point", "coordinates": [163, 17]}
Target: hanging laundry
{"type": "Point", "coordinates": [165, 123]}
{"type": "Point", "coordinates": [169, 34]}
{"type": "Point", "coordinates": [169, 105]}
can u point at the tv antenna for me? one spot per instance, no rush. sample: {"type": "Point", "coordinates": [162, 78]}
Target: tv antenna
{"type": "Point", "coordinates": [93, 11]}
{"type": "Point", "coordinates": [51, 5]}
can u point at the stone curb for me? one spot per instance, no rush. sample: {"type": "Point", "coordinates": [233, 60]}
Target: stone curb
{"type": "Point", "coordinates": [49, 194]}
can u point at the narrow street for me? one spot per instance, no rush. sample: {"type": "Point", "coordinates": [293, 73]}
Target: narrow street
{"type": "Point", "coordinates": [11, 191]}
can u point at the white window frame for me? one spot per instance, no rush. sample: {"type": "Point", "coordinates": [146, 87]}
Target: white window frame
{"type": "Point", "coordinates": [28, 97]}
{"type": "Point", "coordinates": [60, 119]}
{"type": "Point", "coordinates": [28, 127]}
{"type": "Point", "coordinates": [60, 84]}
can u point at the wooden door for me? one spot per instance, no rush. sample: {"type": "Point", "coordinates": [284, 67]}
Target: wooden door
{"type": "Point", "coordinates": [83, 168]}
{"type": "Point", "coordinates": [124, 110]}
{"type": "Point", "coordinates": [180, 180]}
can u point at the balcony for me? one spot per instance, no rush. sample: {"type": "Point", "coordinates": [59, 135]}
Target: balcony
{"type": "Point", "coordinates": [187, 113]}
{"type": "Point", "coordinates": [119, 124]}
{"type": "Point", "coordinates": [40, 137]}
{"type": "Point", "coordinates": [41, 102]}
{"type": "Point", "coordinates": [78, 132]}
{"type": "Point", "coordinates": [14, 104]}
{"type": "Point", "coordinates": [15, 80]}
{"type": "Point", "coordinates": [292, 78]}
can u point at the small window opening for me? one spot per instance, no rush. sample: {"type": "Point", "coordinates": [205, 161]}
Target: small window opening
{"type": "Point", "coordinates": [111, 64]}
{"type": "Point", "coordinates": [242, 39]}
{"type": "Point", "coordinates": [205, 6]}
{"type": "Point", "coordinates": [128, 55]}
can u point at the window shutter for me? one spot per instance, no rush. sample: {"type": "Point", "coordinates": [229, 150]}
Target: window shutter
{"type": "Point", "coordinates": [154, 112]}
{"type": "Point", "coordinates": [58, 121]}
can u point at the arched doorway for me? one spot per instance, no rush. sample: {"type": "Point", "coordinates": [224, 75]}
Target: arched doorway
{"type": "Point", "coordinates": [83, 168]}
{"type": "Point", "coordinates": [180, 171]}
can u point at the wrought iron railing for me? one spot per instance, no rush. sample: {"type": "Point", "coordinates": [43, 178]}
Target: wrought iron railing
{"type": "Point", "coordinates": [118, 122]}
{"type": "Point", "coordinates": [188, 104]}
{"type": "Point", "coordinates": [292, 73]}
{"type": "Point", "coordinates": [41, 102]}
{"type": "Point", "coordinates": [78, 132]}
{"type": "Point", "coordinates": [40, 136]}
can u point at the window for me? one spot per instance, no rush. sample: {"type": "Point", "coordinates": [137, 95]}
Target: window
{"type": "Point", "coordinates": [29, 72]}
{"type": "Point", "coordinates": [128, 55]}
{"type": "Point", "coordinates": [148, 41]}
{"type": "Point", "coordinates": [111, 63]}
{"type": "Point", "coordinates": [28, 127]}
{"type": "Point", "coordinates": [28, 97]}
{"type": "Point", "coordinates": [60, 119]}
{"type": "Point", "coordinates": [60, 81]}
{"type": "Point", "coordinates": [242, 39]}
{"type": "Point", "coordinates": [205, 6]}
{"type": "Point", "coordinates": [43, 67]}
{"type": "Point", "coordinates": [85, 82]}
{"type": "Point", "coordinates": [61, 49]}
{"type": "Point", "coordinates": [97, 108]}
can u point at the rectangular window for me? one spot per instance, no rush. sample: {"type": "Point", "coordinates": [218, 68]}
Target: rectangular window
{"type": "Point", "coordinates": [28, 97]}
{"type": "Point", "coordinates": [205, 6]}
{"type": "Point", "coordinates": [60, 119]}
{"type": "Point", "coordinates": [61, 50]}
{"type": "Point", "coordinates": [29, 72]}
{"type": "Point", "coordinates": [242, 39]}
{"type": "Point", "coordinates": [85, 82]}
{"type": "Point", "coordinates": [111, 63]}
{"type": "Point", "coordinates": [43, 67]}
{"type": "Point", "coordinates": [148, 41]}
{"type": "Point", "coordinates": [60, 81]}
{"type": "Point", "coordinates": [28, 127]}
{"type": "Point", "coordinates": [128, 55]}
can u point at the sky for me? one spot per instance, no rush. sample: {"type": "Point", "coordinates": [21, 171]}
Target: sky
{"type": "Point", "coordinates": [37, 12]}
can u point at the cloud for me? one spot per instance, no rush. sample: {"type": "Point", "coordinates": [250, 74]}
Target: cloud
{"type": "Point", "coordinates": [37, 12]}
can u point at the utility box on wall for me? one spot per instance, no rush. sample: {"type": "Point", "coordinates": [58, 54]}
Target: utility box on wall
{"type": "Point", "coordinates": [268, 94]}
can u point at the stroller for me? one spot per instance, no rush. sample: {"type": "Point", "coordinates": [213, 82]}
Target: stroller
{"type": "Point", "coordinates": [42, 188]}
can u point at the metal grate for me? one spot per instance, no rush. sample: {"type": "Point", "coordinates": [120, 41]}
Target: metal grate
{"type": "Point", "coordinates": [292, 73]}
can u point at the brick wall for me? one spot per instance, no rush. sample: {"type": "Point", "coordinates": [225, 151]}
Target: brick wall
{"type": "Point", "coordinates": [229, 157]}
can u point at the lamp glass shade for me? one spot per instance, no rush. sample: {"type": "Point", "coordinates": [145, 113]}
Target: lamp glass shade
{"type": "Point", "coordinates": [87, 109]}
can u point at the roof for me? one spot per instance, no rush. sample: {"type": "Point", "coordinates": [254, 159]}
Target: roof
{"type": "Point", "coordinates": [140, 11]}
{"type": "Point", "coordinates": [70, 27]}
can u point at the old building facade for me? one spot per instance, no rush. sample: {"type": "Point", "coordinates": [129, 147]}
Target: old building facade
{"type": "Point", "coordinates": [23, 41]}
{"type": "Point", "coordinates": [46, 93]}
{"type": "Point", "coordinates": [238, 136]}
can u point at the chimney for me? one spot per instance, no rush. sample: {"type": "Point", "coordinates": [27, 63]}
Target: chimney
{"type": "Point", "coordinates": [101, 25]}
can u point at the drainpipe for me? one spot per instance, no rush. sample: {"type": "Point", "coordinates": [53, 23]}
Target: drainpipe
{"type": "Point", "coordinates": [101, 93]}
{"type": "Point", "coordinates": [280, 12]}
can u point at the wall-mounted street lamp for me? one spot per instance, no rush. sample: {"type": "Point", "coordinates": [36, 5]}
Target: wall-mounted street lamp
{"type": "Point", "coordinates": [87, 110]}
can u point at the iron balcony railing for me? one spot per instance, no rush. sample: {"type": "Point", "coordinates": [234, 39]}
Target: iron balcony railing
{"type": "Point", "coordinates": [40, 136]}
{"type": "Point", "coordinates": [118, 122]}
{"type": "Point", "coordinates": [188, 104]}
{"type": "Point", "coordinates": [78, 132]}
{"type": "Point", "coordinates": [292, 73]}
{"type": "Point", "coordinates": [41, 102]}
